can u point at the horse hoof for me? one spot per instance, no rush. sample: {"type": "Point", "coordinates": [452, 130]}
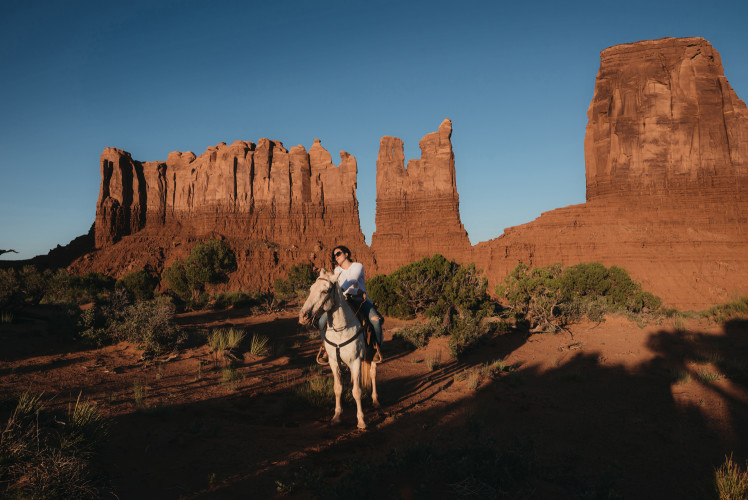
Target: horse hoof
{"type": "Point", "coordinates": [376, 404]}
{"type": "Point", "coordinates": [362, 427]}
{"type": "Point", "coordinates": [335, 421]}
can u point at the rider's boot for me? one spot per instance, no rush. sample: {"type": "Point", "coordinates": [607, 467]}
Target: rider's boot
{"type": "Point", "coordinates": [322, 356]}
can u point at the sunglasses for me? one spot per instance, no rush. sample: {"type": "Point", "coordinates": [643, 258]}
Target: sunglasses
{"type": "Point", "coordinates": [338, 253]}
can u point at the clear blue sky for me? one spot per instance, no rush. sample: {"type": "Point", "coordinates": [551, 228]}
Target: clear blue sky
{"type": "Point", "coordinates": [152, 77]}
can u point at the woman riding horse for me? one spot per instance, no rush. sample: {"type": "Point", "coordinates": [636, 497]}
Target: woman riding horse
{"type": "Point", "coordinates": [353, 283]}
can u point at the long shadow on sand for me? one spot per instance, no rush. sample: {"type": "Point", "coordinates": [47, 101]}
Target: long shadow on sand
{"type": "Point", "coordinates": [586, 429]}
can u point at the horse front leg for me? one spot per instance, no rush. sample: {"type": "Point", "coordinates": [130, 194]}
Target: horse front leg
{"type": "Point", "coordinates": [356, 379]}
{"type": "Point", "coordinates": [338, 386]}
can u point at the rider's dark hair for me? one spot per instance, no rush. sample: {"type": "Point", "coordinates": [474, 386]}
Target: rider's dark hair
{"type": "Point", "coordinates": [343, 249]}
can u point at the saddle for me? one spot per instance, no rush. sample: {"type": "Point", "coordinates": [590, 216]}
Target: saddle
{"type": "Point", "coordinates": [373, 353]}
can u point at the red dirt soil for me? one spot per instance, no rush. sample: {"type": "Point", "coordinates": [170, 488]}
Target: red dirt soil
{"type": "Point", "coordinates": [610, 408]}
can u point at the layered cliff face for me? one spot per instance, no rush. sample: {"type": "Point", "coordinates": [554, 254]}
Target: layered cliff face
{"type": "Point", "coordinates": [276, 207]}
{"type": "Point", "coordinates": [664, 120]}
{"type": "Point", "coordinates": [418, 212]}
{"type": "Point", "coordinates": [666, 153]}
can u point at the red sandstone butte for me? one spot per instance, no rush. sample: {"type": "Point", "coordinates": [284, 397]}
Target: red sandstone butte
{"type": "Point", "coordinates": [418, 208]}
{"type": "Point", "coordinates": [666, 153]}
{"type": "Point", "coordinates": [274, 206]}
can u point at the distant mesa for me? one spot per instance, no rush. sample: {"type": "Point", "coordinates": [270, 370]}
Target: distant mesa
{"type": "Point", "coordinates": [666, 155]}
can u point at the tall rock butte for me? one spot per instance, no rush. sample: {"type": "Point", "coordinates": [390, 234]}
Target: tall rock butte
{"type": "Point", "coordinates": [276, 207]}
{"type": "Point", "coordinates": [665, 121]}
{"type": "Point", "coordinates": [666, 153]}
{"type": "Point", "coordinates": [418, 208]}
{"type": "Point", "coordinates": [667, 187]}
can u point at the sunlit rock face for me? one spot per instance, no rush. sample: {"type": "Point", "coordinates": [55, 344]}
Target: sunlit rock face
{"type": "Point", "coordinates": [275, 206]}
{"type": "Point", "coordinates": [664, 120]}
{"type": "Point", "coordinates": [418, 208]}
{"type": "Point", "coordinates": [665, 152]}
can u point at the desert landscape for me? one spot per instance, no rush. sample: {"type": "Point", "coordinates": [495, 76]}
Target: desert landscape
{"type": "Point", "coordinates": [511, 381]}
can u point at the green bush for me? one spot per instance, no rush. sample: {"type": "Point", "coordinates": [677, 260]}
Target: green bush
{"type": "Point", "coordinates": [418, 336]}
{"type": "Point", "coordinates": [300, 278]}
{"type": "Point", "coordinates": [63, 287]}
{"type": "Point", "coordinates": [225, 300]}
{"type": "Point", "coordinates": [140, 284]}
{"type": "Point", "coordinates": [432, 286]}
{"type": "Point", "coordinates": [146, 323]}
{"type": "Point", "coordinates": [470, 330]}
{"type": "Point", "coordinates": [550, 297]}
{"type": "Point", "coordinates": [723, 312]}
{"type": "Point", "coordinates": [209, 262]}
{"type": "Point", "coordinates": [10, 288]}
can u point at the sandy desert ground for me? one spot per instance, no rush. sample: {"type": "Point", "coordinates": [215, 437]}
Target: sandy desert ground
{"type": "Point", "coordinates": [610, 410]}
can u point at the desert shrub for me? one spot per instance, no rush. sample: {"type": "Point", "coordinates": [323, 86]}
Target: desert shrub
{"type": "Point", "coordinates": [730, 481]}
{"type": "Point", "coordinates": [175, 277]}
{"type": "Point", "coordinates": [431, 286]}
{"type": "Point", "coordinates": [64, 287]}
{"type": "Point", "coordinates": [418, 336]}
{"type": "Point", "coordinates": [139, 284]}
{"type": "Point", "coordinates": [10, 288]}
{"type": "Point", "coordinates": [469, 330]}
{"type": "Point", "coordinates": [551, 297]}
{"type": "Point", "coordinates": [300, 278]}
{"type": "Point", "coordinates": [224, 300]}
{"type": "Point", "coordinates": [147, 323]}
{"type": "Point", "coordinates": [723, 312]}
{"type": "Point", "coordinates": [23, 288]}
{"type": "Point", "coordinates": [210, 262]}
{"type": "Point", "coordinates": [45, 454]}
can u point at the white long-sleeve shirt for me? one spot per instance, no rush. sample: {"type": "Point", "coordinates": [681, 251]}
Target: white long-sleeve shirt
{"type": "Point", "coordinates": [352, 280]}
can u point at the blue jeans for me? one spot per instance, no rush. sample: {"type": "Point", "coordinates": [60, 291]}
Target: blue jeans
{"type": "Point", "coordinates": [367, 308]}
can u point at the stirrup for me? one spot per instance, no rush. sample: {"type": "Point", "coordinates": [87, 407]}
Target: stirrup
{"type": "Point", "coordinates": [320, 356]}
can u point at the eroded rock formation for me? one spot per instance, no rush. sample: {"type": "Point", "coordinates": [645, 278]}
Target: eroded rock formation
{"type": "Point", "coordinates": [664, 120]}
{"type": "Point", "coordinates": [666, 152]}
{"type": "Point", "coordinates": [418, 208]}
{"type": "Point", "coordinates": [277, 207]}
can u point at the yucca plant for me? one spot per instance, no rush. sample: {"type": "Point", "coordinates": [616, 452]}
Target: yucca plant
{"type": "Point", "coordinates": [258, 345]}
{"type": "Point", "coordinates": [225, 339]}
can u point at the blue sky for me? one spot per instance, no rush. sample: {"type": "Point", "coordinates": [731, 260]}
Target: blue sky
{"type": "Point", "coordinates": [152, 77]}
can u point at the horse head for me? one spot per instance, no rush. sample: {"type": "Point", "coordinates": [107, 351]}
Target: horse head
{"type": "Point", "coordinates": [321, 298]}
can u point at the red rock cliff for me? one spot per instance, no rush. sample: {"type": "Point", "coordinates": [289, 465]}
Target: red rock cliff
{"type": "Point", "coordinates": [276, 207]}
{"type": "Point", "coordinates": [665, 152]}
{"type": "Point", "coordinates": [664, 119]}
{"type": "Point", "coordinates": [666, 155]}
{"type": "Point", "coordinates": [418, 212]}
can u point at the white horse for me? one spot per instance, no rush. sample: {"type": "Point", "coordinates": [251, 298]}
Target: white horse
{"type": "Point", "coordinates": [344, 341]}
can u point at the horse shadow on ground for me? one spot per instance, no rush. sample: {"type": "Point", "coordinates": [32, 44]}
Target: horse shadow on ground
{"type": "Point", "coordinates": [585, 429]}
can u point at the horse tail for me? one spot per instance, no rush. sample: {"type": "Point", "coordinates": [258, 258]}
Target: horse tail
{"type": "Point", "coordinates": [366, 375]}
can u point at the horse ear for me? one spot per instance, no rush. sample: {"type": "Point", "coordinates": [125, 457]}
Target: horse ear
{"type": "Point", "coordinates": [334, 277]}
{"type": "Point", "coordinates": [322, 272]}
